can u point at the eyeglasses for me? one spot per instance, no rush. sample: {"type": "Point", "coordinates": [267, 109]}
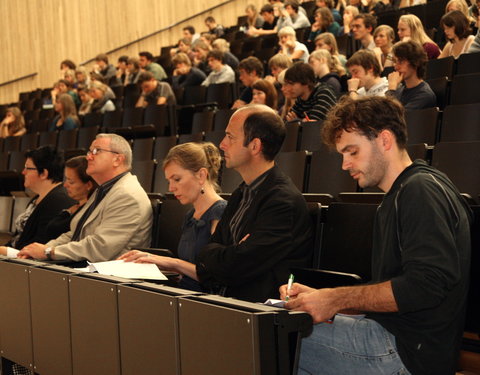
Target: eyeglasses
{"type": "Point", "coordinates": [25, 168]}
{"type": "Point", "coordinates": [96, 150]}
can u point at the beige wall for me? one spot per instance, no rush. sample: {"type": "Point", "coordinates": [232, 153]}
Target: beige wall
{"type": "Point", "coordinates": [38, 34]}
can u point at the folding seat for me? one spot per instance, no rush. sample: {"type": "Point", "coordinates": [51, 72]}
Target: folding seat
{"type": "Point", "coordinates": [294, 165]}
{"type": "Point", "coordinates": [229, 179]}
{"type": "Point", "coordinates": [221, 119]}
{"type": "Point", "coordinates": [132, 116]}
{"type": "Point", "coordinates": [118, 91]}
{"type": "Point", "coordinates": [144, 170]}
{"type": "Point", "coordinates": [112, 119]}
{"type": "Point", "coordinates": [326, 174]}
{"type": "Point", "coordinates": [194, 137]}
{"type": "Point", "coordinates": [461, 123]}
{"type": "Point", "coordinates": [311, 136]}
{"type": "Point", "coordinates": [12, 144]}
{"type": "Point", "coordinates": [131, 93]}
{"type": "Point", "coordinates": [160, 184]}
{"type": "Point", "coordinates": [86, 137]}
{"type": "Point", "coordinates": [194, 95]}
{"type": "Point", "coordinates": [292, 136]}
{"type": "Point", "coordinates": [460, 161]}
{"type": "Point", "coordinates": [160, 116]}
{"type": "Point", "coordinates": [202, 121]}
{"type": "Point", "coordinates": [48, 138]}
{"type": "Point", "coordinates": [440, 86]}
{"type": "Point", "coordinates": [215, 137]}
{"type": "Point", "coordinates": [465, 89]}
{"type": "Point", "coordinates": [438, 68]}
{"type": "Point", "coordinates": [221, 94]}
{"type": "Point", "coordinates": [6, 209]}
{"type": "Point", "coordinates": [419, 151]}
{"type": "Point", "coordinates": [67, 139]}
{"type": "Point", "coordinates": [422, 125]}
{"type": "Point", "coordinates": [143, 149]}
{"type": "Point", "coordinates": [468, 63]}
{"type": "Point", "coordinates": [93, 119]}
{"type": "Point", "coordinates": [162, 146]}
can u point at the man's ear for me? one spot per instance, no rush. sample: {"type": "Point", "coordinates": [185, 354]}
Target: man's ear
{"type": "Point", "coordinates": [256, 145]}
{"type": "Point", "coordinates": [387, 139]}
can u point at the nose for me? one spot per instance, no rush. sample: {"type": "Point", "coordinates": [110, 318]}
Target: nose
{"type": "Point", "coordinates": [346, 164]}
{"type": "Point", "coordinates": [222, 144]}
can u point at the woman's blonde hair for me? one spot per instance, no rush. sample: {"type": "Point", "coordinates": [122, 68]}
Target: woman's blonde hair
{"type": "Point", "coordinates": [332, 62]}
{"type": "Point", "coordinates": [417, 32]}
{"type": "Point", "coordinates": [329, 39]}
{"type": "Point", "coordinates": [194, 156]}
{"type": "Point", "coordinates": [287, 30]}
{"type": "Point", "coordinates": [388, 31]}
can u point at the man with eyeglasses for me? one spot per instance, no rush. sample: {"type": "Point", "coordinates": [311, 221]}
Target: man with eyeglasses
{"type": "Point", "coordinates": [116, 218]}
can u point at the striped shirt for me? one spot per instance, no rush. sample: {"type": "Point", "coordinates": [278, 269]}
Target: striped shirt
{"type": "Point", "coordinates": [318, 103]}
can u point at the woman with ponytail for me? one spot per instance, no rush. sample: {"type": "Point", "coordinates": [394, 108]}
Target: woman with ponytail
{"type": "Point", "coordinates": [192, 172]}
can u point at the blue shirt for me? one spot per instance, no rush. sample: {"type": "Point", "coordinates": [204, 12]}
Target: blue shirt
{"type": "Point", "coordinates": [195, 235]}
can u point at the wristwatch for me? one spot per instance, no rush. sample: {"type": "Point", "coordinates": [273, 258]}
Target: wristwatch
{"type": "Point", "coordinates": [48, 252]}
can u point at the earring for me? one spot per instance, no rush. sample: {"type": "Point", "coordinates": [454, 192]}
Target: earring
{"type": "Point", "coordinates": [202, 191]}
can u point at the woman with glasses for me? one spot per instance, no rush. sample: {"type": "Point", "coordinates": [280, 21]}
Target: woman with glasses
{"type": "Point", "coordinates": [43, 175]}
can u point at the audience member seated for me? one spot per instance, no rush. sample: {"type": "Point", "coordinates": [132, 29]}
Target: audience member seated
{"type": "Point", "coordinates": [362, 28]}
{"type": "Point", "coordinates": [192, 172]}
{"type": "Point", "coordinates": [115, 219]}
{"type": "Point", "coordinates": [79, 186]}
{"type": "Point", "coordinates": [384, 37]}
{"type": "Point", "coordinates": [207, 38]}
{"type": "Point", "coordinates": [132, 72]}
{"type": "Point", "coordinates": [154, 92]}
{"type": "Point", "coordinates": [456, 28]}
{"type": "Point", "coordinates": [290, 16]}
{"type": "Point", "coordinates": [265, 93]}
{"type": "Point", "coordinates": [406, 83]}
{"type": "Point", "coordinates": [101, 102]}
{"type": "Point", "coordinates": [121, 72]}
{"type": "Point", "coordinates": [410, 28]}
{"type": "Point", "coordinates": [327, 41]}
{"type": "Point", "coordinates": [409, 319]}
{"type": "Point", "coordinates": [43, 174]}
{"type": "Point", "coordinates": [87, 101]}
{"type": "Point", "coordinates": [67, 114]}
{"type": "Point", "coordinates": [269, 22]}
{"type": "Point", "coordinates": [221, 73]}
{"type": "Point", "coordinates": [329, 4]}
{"type": "Point", "coordinates": [228, 57]}
{"type": "Point", "coordinates": [250, 70]}
{"type": "Point", "coordinates": [312, 100]}
{"type": "Point", "coordinates": [147, 63]}
{"type": "Point", "coordinates": [184, 74]}
{"type": "Point", "coordinates": [349, 14]}
{"type": "Point", "coordinates": [183, 46]}
{"type": "Point", "coordinates": [13, 123]}
{"type": "Point", "coordinates": [200, 51]}
{"type": "Point", "coordinates": [64, 87]}
{"type": "Point", "coordinates": [463, 7]}
{"type": "Point", "coordinates": [69, 75]}
{"type": "Point", "coordinates": [65, 65]}
{"type": "Point", "coordinates": [190, 34]}
{"type": "Point", "coordinates": [287, 40]}
{"type": "Point", "coordinates": [265, 229]}
{"type": "Point", "coordinates": [360, 5]}
{"type": "Point", "coordinates": [277, 64]}
{"type": "Point", "coordinates": [102, 67]}
{"type": "Point", "coordinates": [365, 70]}
{"type": "Point", "coordinates": [214, 28]}
{"type": "Point", "coordinates": [82, 77]}
{"type": "Point", "coordinates": [327, 69]}
{"type": "Point", "coordinates": [253, 18]}
{"type": "Point", "coordinates": [323, 23]}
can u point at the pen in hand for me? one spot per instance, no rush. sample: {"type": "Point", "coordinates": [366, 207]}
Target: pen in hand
{"type": "Point", "coordinates": [289, 286]}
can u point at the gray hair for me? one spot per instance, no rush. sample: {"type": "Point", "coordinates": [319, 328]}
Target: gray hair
{"type": "Point", "coordinates": [120, 145]}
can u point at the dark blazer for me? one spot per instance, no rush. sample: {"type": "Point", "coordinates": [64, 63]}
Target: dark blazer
{"type": "Point", "coordinates": [35, 227]}
{"type": "Point", "coordinates": [280, 238]}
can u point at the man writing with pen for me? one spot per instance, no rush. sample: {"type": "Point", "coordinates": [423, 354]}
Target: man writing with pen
{"type": "Point", "coordinates": [409, 319]}
{"type": "Point", "coordinates": [312, 99]}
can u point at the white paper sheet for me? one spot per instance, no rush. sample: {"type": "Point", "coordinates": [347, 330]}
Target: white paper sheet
{"type": "Point", "coordinates": [128, 270]}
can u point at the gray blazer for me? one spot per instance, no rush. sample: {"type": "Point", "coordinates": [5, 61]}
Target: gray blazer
{"type": "Point", "coordinates": [121, 222]}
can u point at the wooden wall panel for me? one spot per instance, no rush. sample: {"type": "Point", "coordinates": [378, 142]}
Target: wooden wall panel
{"type": "Point", "coordinates": [38, 34]}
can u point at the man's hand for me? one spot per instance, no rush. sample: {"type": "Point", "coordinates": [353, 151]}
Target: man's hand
{"type": "Point", "coordinates": [353, 84]}
{"type": "Point", "coordinates": [394, 79]}
{"type": "Point", "coordinates": [34, 250]}
{"type": "Point", "coordinates": [319, 303]}
{"type": "Point", "coordinates": [291, 116]}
